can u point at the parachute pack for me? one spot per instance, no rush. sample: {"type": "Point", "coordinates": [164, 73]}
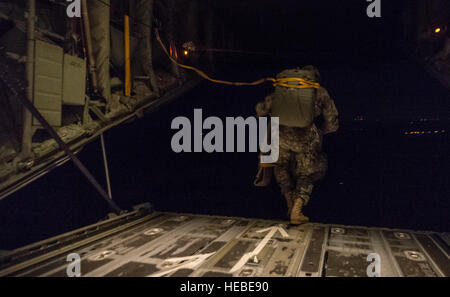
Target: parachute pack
{"type": "Point", "coordinates": [295, 106]}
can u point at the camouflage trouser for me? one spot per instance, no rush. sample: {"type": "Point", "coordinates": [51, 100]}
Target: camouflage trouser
{"type": "Point", "coordinates": [300, 162]}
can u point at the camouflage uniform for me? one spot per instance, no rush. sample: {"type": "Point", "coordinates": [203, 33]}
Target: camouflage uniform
{"type": "Point", "coordinates": [301, 160]}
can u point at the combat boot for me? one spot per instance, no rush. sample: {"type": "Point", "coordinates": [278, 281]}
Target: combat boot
{"type": "Point", "coordinates": [297, 217]}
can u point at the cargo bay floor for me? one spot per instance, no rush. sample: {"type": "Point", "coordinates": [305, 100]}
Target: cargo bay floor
{"type": "Point", "coordinates": [170, 244]}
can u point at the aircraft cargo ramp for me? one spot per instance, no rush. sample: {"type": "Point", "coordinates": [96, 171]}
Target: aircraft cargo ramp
{"type": "Point", "coordinates": [140, 243]}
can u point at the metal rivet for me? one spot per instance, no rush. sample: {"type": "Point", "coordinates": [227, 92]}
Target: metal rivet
{"type": "Point", "coordinates": [153, 231]}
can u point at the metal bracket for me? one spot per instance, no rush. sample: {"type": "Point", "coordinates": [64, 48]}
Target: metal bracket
{"type": "Point", "coordinates": [13, 84]}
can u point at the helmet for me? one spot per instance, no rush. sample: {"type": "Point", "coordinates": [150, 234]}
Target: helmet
{"type": "Point", "coordinates": [314, 70]}
{"type": "Point", "coordinates": [310, 73]}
